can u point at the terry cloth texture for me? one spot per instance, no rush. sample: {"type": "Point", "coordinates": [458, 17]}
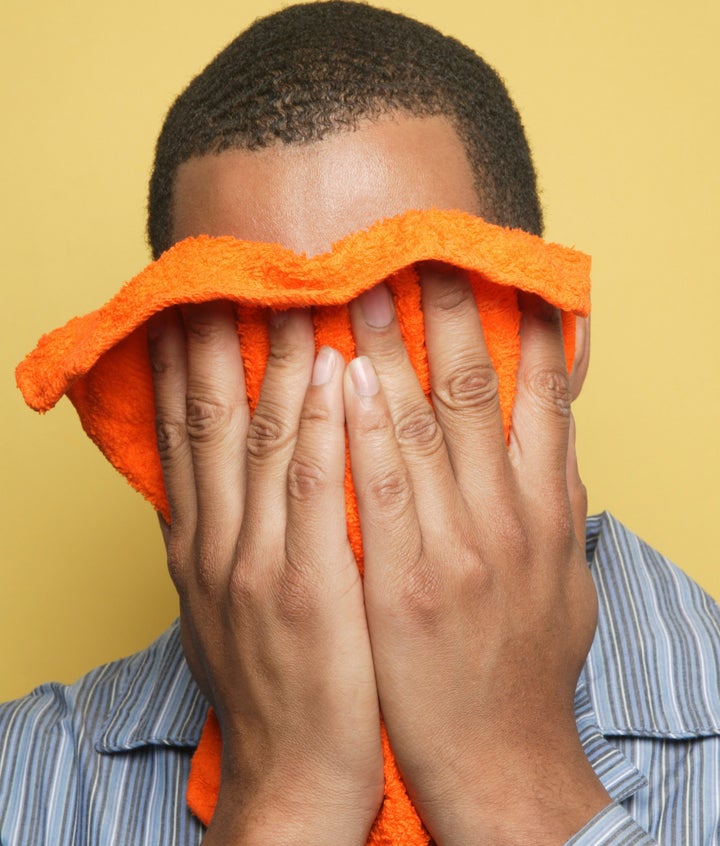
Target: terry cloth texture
{"type": "Point", "coordinates": [101, 362]}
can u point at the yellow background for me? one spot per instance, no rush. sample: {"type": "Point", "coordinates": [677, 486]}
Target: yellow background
{"type": "Point", "coordinates": [620, 100]}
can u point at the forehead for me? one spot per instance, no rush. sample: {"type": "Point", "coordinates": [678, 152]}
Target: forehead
{"type": "Point", "coordinates": [307, 196]}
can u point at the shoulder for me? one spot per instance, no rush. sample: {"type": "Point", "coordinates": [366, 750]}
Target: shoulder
{"type": "Point", "coordinates": [622, 562]}
{"type": "Point", "coordinates": [72, 711]}
{"type": "Point", "coordinates": [43, 737]}
{"type": "Point", "coordinates": [656, 658]}
{"type": "Point", "coordinates": [56, 716]}
{"type": "Point", "coordinates": [59, 771]}
{"type": "Point", "coordinates": [649, 689]}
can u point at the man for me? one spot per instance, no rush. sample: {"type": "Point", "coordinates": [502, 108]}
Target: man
{"type": "Point", "coordinates": [471, 629]}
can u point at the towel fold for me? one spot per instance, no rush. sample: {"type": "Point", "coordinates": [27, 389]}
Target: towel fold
{"type": "Point", "coordinates": [101, 362]}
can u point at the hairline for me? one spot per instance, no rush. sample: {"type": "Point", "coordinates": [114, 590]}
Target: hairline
{"type": "Point", "coordinates": [343, 127]}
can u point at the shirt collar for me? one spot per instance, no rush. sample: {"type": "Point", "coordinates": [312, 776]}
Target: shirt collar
{"type": "Point", "coordinates": [155, 701]}
{"type": "Point", "coordinates": [652, 670]}
{"type": "Point", "coordinates": [655, 661]}
{"type": "Point", "coordinates": [619, 776]}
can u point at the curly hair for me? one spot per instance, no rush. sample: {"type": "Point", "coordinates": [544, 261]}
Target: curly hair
{"type": "Point", "coordinates": [317, 68]}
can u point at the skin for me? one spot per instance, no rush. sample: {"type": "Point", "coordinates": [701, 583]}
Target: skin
{"type": "Point", "coordinates": [477, 609]}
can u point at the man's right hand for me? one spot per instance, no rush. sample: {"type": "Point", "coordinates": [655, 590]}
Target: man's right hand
{"type": "Point", "coordinates": [271, 600]}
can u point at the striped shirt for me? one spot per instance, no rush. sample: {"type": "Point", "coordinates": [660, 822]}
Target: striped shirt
{"type": "Point", "coordinates": [106, 760]}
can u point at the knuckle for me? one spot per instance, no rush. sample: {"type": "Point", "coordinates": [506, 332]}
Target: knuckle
{"type": "Point", "coordinates": [266, 435]}
{"type": "Point", "coordinates": [419, 593]}
{"type": "Point", "coordinates": [177, 564]}
{"type": "Point", "coordinates": [419, 428]}
{"type": "Point", "coordinates": [253, 576]}
{"type": "Point", "coordinates": [563, 531]}
{"type": "Point", "coordinates": [279, 580]}
{"type": "Point", "coordinates": [472, 386]}
{"type": "Point", "coordinates": [280, 355]}
{"type": "Point", "coordinates": [390, 491]}
{"type": "Point", "coordinates": [205, 418]}
{"type": "Point", "coordinates": [376, 423]}
{"type": "Point", "coordinates": [197, 561]}
{"type": "Point", "coordinates": [513, 538]}
{"type": "Point", "coordinates": [388, 353]}
{"type": "Point", "coordinates": [206, 573]}
{"type": "Point", "coordinates": [159, 363]}
{"type": "Point", "coordinates": [453, 296]}
{"type": "Point", "coordinates": [510, 534]}
{"type": "Point", "coordinates": [315, 413]}
{"type": "Point", "coordinates": [579, 498]}
{"type": "Point", "coordinates": [285, 354]}
{"type": "Point", "coordinates": [550, 389]}
{"type": "Point", "coordinates": [202, 328]}
{"type": "Point", "coordinates": [207, 566]}
{"type": "Point", "coordinates": [243, 588]}
{"type": "Point", "coordinates": [305, 479]}
{"type": "Point", "coordinates": [177, 572]}
{"type": "Point", "coordinates": [171, 436]}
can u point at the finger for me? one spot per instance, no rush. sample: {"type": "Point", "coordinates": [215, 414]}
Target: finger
{"type": "Point", "coordinates": [166, 347]}
{"type": "Point", "coordinates": [464, 382]}
{"type": "Point", "coordinates": [316, 521]}
{"type": "Point", "coordinates": [541, 415]}
{"type": "Point", "coordinates": [418, 435]}
{"type": "Point", "coordinates": [274, 426]}
{"type": "Point", "coordinates": [391, 530]}
{"type": "Point", "coordinates": [216, 420]}
{"type": "Point", "coordinates": [576, 489]}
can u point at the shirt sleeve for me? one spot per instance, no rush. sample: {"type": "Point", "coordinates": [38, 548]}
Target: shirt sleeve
{"type": "Point", "coordinates": [613, 826]}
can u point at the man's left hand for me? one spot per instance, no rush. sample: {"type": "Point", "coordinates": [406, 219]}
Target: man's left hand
{"type": "Point", "coordinates": [481, 608]}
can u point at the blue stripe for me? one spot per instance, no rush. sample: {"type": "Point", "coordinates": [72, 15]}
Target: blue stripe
{"type": "Point", "coordinates": [106, 760]}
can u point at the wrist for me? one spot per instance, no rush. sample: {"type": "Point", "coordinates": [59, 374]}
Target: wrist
{"type": "Point", "coordinates": [239, 822]}
{"type": "Point", "coordinates": [543, 802]}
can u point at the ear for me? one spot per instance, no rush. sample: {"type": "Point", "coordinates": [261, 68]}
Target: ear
{"type": "Point", "coordinates": [582, 356]}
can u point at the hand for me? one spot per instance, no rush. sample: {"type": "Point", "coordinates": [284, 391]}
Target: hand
{"type": "Point", "coordinates": [271, 601]}
{"type": "Point", "coordinates": [480, 605]}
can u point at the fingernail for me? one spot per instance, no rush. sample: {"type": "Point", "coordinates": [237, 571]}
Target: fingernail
{"type": "Point", "coordinates": [364, 378]}
{"type": "Point", "coordinates": [324, 366]}
{"type": "Point", "coordinates": [376, 305]}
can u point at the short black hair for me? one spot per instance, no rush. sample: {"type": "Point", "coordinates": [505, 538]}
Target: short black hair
{"type": "Point", "coordinates": [317, 68]}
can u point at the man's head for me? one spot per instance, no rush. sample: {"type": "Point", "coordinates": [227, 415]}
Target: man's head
{"type": "Point", "coordinates": [321, 72]}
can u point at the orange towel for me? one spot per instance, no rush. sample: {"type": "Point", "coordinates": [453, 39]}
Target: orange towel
{"type": "Point", "coordinates": [100, 360]}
